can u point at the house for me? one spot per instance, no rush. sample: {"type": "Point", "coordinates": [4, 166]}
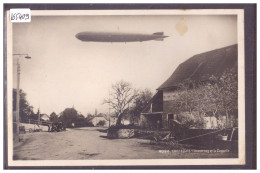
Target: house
{"type": "Point", "coordinates": [160, 112]}
{"type": "Point", "coordinates": [45, 117]}
{"type": "Point", "coordinates": [105, 118]}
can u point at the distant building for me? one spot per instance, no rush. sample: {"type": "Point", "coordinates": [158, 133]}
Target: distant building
{"type": "Point", "coordinates": [159, 112]}
{"type": "Point", "coordinates": [103, 117]}
{"type": "Point", "coordinates": [125, 121]}
{"type": "Point", "coordinates": [45, 117]}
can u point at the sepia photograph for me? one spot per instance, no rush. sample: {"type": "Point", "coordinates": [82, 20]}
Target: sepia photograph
{"type": "Point", "coordinates": [126, 87]}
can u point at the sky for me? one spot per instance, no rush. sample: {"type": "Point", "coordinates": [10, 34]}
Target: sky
{"type": "Point", "coordinates": [66, 72]}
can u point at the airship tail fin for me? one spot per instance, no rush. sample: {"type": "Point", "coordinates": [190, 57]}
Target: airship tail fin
{"type": "Point", "coordinates": [159, 39]}
{"type": "Point", "coordinates": [158, 33]}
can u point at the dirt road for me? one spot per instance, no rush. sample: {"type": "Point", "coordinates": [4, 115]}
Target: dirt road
{"type": "Point", "coordinates": [89, 143]}
{"type": "Point", "coordinates": [81, 143]}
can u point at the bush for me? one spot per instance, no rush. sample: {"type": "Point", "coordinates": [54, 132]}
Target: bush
{"type": "Point", "coordinates": [191, 120]}
{"type": "Point", "coordinates": [101, 123]}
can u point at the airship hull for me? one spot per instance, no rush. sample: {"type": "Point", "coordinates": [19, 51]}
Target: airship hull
{"type": "Point", "coordinates": [118, 37]}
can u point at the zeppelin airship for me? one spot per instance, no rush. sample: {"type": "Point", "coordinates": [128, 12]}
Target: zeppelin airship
{"type": "Point", "coordinates": [119, 37]}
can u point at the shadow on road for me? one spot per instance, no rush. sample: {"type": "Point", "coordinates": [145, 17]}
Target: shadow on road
{"type": "Point", "coordinates": [102, 130]}
{"type": "Point", "coordinates": [103, 136]}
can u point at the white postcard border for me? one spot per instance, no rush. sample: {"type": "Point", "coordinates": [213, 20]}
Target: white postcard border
{"type": "Point", "coordinates": [135, 162]}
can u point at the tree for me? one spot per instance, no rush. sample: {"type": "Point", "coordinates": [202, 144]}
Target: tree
{"type": "Point", "coordinates": [54, 117]}
{"type": "Point", "coordinates": [68, 116]}
{"type": "Point", "coordinates": [193, 119]}
{"type": "Point", "coordinates": [88, 122]}
{"type": "Point", "coordinates": [139, 103]}
{"type": "Point", "coordinates": [121, 97]}
{"type": "Point", "coordinates": [229, 97]}
{"type": "Point", "coordinates": [26, 111]}
{"type": "Point", "coordinates": [71, 115]}
{"type": "Point", "coordinates": [215, 97]}
{"type": "Point", "coordinates": [185, 104]}
{"type": "Point", "coordinates": [193, 100]}
{"type": "Point", "coordinates": [80, 121]}
{"type": "Point", "coordinates": [208, 99]}
{"type": "Point", "coordinates": [185, 97]}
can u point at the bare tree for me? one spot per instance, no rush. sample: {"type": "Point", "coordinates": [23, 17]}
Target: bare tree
{"type": "Point", "coordinates": [184, 100]}
{"type": "Point", "coordinates": [120, 98]}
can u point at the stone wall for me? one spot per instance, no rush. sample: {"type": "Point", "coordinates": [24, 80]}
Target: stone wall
{"type": "Point", "coordinates": [120, 133]}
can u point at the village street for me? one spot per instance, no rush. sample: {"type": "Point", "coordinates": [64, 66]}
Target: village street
{"type": "Point", "coordinates": [91, 143]}
{"type": "Point", "coordinates": [80, 143]}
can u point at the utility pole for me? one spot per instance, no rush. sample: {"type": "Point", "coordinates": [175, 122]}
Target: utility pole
{"type": "Point", "coordinates": [18, 98]}
{"type": "Point", "coordinates": [39, 116]}
{"type": "Point", "coordinates": [17, 116]}
{"type": "Point", "coordinates": [109, 109]}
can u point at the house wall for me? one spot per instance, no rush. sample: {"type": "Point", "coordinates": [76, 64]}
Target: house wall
{"type": "Point", "coordinates": [168, 101]}
{"type": "Point", "coordinates": [162, 102]}
{"type": "Point", "coordinates": [169, 95]}
{"type": "Point", "coordinates": [167, 109]}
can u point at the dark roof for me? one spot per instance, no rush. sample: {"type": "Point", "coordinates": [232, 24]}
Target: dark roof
{"type": "Point", "coordinates": [202, 66]}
